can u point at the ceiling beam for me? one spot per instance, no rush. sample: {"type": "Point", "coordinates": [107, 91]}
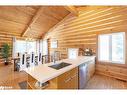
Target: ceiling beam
{"type": "Point", "coordinates": [34, 18]}
{"type": "Point", "coordinates": [72, 9]}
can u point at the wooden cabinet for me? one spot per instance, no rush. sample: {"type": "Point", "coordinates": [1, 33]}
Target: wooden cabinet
{"type": "Point", "coordinates": [31, 82]}
{"type": "Point", "coordinates": [68, 80]}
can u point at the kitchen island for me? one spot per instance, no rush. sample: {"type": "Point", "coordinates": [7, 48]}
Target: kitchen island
{"type": "Point", "coordinates": [53, 78]}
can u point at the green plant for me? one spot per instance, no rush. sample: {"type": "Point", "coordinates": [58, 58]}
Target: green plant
{"type": "Point", "coordinates": [5, 52]}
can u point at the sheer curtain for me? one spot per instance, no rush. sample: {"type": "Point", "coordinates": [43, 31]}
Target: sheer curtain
{"type": "Point", "coordinates": [45, 47]}
{"type": "Point", "coordinates": [22, 46]}
{"type": "Point", "coordinates": [31, 46]}
{"type": "Point", "coordinates": [40, 45]}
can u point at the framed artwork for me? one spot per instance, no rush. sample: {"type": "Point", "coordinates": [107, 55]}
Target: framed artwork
{"type": "Point", "coordinates": [54, 43]}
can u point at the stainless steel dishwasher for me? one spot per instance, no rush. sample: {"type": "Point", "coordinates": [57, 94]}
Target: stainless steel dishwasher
{"type": "Point", "coordinates": [82, 75]}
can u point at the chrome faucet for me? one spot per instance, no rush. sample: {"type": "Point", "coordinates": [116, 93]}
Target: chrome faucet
{"type": "Point", "coordinates": [54, 61]}
{"type": "Point", "coordinates": [55, 56]}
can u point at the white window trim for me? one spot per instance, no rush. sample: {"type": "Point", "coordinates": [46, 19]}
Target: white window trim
{"type": "Point", "coordinates": [124, 50]}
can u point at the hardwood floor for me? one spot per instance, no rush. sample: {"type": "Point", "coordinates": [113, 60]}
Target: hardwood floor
{"type": "Point", "coordinates": [11, 79]}
{"type": "Point", "coordinates": [104, 82]}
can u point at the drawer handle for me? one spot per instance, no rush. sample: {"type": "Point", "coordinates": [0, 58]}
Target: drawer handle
{"type": "Point", "coordinates": [74, 76]}
{"type": "Point", "coordinates": [67, 80]}
{"type": "Point", "coordinates": [90, 61]}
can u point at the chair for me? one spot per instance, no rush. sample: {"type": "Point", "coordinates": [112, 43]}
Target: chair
{"type": "Point", "coordinates": [39, 58]}
{"type": "Point", "coordinates": [32, 59]}
{"type": "Point", "coordinates": [22, 63]}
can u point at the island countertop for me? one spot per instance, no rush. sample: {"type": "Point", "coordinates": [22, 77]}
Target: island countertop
{"type": "Point", "coordinates": [43, 73]}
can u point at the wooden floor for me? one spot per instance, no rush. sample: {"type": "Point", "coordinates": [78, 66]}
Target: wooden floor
{"type": "Point", "coordinates": [104, 82]}
{"type": "Point", "coordinates": [11, 79]}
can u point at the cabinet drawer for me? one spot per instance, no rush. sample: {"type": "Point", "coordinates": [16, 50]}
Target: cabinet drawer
{"type": "Point", "coordinates": [91, 62]}
{"type": "Point", "coordinates": [68, 80]}
{"type": "Point", "coordinates": [73, 71]}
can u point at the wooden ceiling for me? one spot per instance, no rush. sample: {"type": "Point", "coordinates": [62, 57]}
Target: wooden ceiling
{"type": "Point", "coordinates": [34, 21]}
{"type": "Point", "coordinates": [29, 21]}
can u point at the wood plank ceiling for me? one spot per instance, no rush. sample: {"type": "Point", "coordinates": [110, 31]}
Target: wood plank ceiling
{"type": "Point", "coordinates": [17, 20]}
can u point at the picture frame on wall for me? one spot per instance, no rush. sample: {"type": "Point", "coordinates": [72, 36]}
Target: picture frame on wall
{"type": "Point", "coordinates": [54, 43]}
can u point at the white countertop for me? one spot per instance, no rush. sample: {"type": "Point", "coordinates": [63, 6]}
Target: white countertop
{"type": "Point", "coordinates": [43, 73]}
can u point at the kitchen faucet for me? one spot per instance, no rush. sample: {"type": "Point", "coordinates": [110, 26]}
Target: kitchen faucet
{"type": "Point", "coordinates": [54, 61]}
{"type": "Point", "coordinates": [53, 58]}
{"type": "Point", "coordinates": [56, 56]}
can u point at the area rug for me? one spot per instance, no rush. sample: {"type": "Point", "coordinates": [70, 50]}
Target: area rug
{"type": "Point", "coordinates": [23, 85]}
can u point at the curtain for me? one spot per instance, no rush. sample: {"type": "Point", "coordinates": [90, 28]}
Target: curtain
{"type": "Point", "coordinates": [45, 47]}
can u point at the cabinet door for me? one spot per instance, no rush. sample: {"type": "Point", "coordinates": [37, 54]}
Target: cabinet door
{"type": "Point", "coordinates": [63, 81]}
{"type": "Point", "coordinates": [74, 81]}
{"type": "Point", "coordinates": [68, 80]}
{"type": "Point", "coordinates": [74, 78]}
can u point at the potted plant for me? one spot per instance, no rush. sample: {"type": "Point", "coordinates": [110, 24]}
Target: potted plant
{"type": "Point", "coordinates": [5, 53]}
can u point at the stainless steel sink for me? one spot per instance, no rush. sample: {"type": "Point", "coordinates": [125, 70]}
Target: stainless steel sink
{"type": "Point", "coordinates": [59, 66]}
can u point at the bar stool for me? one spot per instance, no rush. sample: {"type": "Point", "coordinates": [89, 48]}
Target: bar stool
{"type": "Point", "coordinates": [39, 58]}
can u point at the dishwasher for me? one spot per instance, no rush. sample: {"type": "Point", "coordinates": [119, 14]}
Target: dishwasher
{"type": "Point", "coordinates": [83, 75]}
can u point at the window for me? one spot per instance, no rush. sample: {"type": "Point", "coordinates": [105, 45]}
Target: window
{"type": "Point", "coordinates": [45, 47]}
{"type": "Point", "coordinates": [111, 47]}
{"type": "Point", "coordinates": [23, 46]}
{"type": "Point", "coordinates": [20, 46]}
{"type": "Point", "coordinates": [31, 46]}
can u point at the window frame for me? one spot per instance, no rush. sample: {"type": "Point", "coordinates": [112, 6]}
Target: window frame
{"type": "Point", "coordinates": [110, 48]}
{"type": "Point", "coordinates": [26, 45]}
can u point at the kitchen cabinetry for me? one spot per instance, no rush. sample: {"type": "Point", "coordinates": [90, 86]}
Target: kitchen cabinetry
{"type": "Point", "coordinates": [68, 80]}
